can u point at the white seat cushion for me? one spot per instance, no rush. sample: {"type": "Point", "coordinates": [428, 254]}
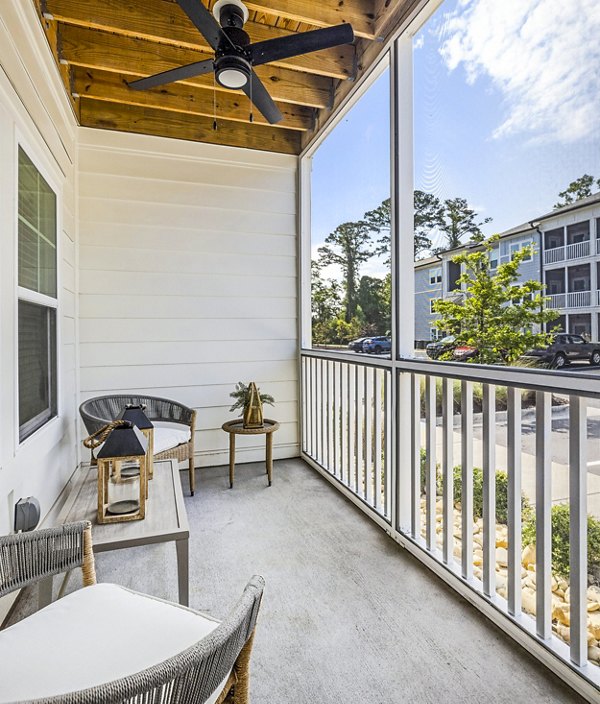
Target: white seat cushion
{"type": "Point", "coordinates": [167, 436]}
{"type": "Point", "coordinates": [95, 635]}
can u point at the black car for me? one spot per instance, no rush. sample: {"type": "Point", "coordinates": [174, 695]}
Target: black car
{"type": "Point", "coordinates": [564, 350]}
{"type": "Point", "coordinates": [357, 345]}
{"type": "Point", "coordinates": [437, 348]}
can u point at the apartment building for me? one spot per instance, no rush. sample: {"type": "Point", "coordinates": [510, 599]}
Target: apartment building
{"type": "Point", "coordinates": [566, 258]}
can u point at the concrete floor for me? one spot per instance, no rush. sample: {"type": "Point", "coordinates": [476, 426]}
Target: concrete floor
{"type": "Point", "coordinates": [347, 616]}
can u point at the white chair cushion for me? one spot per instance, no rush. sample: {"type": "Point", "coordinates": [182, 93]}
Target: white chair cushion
{"type": "Point", "coordinates": [94, 635]}
{"type": "Point", "coordinates": [167, 436]}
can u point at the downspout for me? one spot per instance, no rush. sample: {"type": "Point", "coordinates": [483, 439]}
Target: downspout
{"type": "Point", "coordinates": [536, 226]}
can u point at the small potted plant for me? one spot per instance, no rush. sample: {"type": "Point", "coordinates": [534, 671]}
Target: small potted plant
{"type": "Point", "coordinates": [250, 400]}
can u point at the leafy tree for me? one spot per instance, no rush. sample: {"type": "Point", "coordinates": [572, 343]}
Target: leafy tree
{"type": "Point", "coordinates": [580, 188]}
{"type": "Point", "coordinates": [380, 221]}
{"type": "Point", "coordinates": [497, 315]}
{"type": "Point", "coordinates": [348, 246]}
{"type": "Point", "coordinates": [427, 216]}
{"type": "Point", "coordinates": [374, 303]}
{"type": "Point", "coordinates": [326, 295]}
{"type": "Point", "coordinates": [457, 221]}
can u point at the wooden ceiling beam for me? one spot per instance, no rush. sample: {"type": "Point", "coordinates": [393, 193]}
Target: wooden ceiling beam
{"type": "Point", "coordinates": [162, 123]}
{"type": "Point", "coordinates": [111, 87]}
{"type": "Point", "coordinates": [137, 57]}
{"type": "Point", "coordinates": [166, 23]}
{"type": "Point", "coordinates": [359, 13]}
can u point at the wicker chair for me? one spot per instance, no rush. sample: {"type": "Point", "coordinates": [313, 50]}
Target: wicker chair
{"type": "Point", "coordinates": [97, 412]}
{"type": "Point", "coordinates": [69, 652]}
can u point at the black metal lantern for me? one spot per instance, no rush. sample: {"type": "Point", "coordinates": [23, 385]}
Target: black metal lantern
{"type": "Point", "coordinates": [135, 414]}
{"type": "Point", "coordinates": [124, 449]}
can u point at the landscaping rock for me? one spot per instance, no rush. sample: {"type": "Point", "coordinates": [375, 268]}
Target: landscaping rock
{"type": "Point", "coordinates": [528, 556]}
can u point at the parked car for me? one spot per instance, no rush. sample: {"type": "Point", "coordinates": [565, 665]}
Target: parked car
{"type": "Point", "coordinates": [461, 353]}
{"type": "Point", "coordinates": [357, 345]}
{"type": "Point", "coordinates": [563, 350]}
{"type": "Point", "coordinates": [436, 349]}
{"type": "Point", "coordinates": [377, 345]}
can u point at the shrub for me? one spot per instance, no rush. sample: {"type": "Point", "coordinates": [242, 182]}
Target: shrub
{"type": "Point", "coordinates": [559, 516]}
{"type": "Point", "coordinates": [501, 490]}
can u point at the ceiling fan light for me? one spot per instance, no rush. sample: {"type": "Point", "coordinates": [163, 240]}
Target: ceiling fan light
{"type": "Point", "coordinates": [232, 78]}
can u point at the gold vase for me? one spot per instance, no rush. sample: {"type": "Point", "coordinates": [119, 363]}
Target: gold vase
{"type": "Point", "coordinates": [253, 411]}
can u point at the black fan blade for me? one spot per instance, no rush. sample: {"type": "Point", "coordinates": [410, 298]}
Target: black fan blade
{"type": "Point", "coordinates": [303, 43]}
{"type": "Point", "coordinates": [259, 95]}
{"type": "Point", "coordinates": [175, 74]}
{"type": "Point", "coordinates": [204, 22]}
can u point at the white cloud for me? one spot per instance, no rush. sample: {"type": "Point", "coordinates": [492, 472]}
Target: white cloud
{"type": "Point", "coordinates": [542, 55]}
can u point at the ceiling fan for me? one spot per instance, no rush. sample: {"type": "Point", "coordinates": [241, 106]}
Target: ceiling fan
{"type": "Point", "coordinates": [235, 56]}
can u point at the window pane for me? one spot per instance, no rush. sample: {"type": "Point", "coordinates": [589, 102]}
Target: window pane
{"type": "Point", "coordinates": [37, 366]}
{"type": "Point", "coordinates": [28, 257]}
{"type": "Point", "coordinates": [350, 227]}
{"type": "Point", "coordinates": [37, 230]}
{"type": "Point", "coordinates": [28, 190]}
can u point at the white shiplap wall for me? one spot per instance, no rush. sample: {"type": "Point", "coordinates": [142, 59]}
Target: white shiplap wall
{"type": "Point", "coordinates": [34, 113]}
{"type": "Point", "coordinates": [188, 279]}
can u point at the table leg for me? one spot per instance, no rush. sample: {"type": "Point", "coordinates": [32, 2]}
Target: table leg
{"type": "Point", "coordinates": [183, 580]}
{"type": "Point", "coordinates": [45, 592]}
{"type": "Point", "coordinates": [231, 459]}
{"type": "Point", "coordinates": [270, 456]}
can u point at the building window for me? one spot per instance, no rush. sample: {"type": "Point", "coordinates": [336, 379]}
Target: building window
{"type": "Point", "coordinates": [37, 301]}
{"type": "Point", "coordinates": [432, 303]}
{"type": "Point", "coordinates": [435, 276]}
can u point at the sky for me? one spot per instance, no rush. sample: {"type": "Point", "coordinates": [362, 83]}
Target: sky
{"type": "Point", "coordinates": [506, 115]}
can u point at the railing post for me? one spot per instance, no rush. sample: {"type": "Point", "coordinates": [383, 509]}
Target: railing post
{"type": "Point", "coordinates": [430, 476]}
{"type": "Point", "coordinates": [543, 505]}
{"type": "Point", "coordinates": [415, 465]}
{"type": "Point", "coordinates": [466, 499]}
{"type": "Point", "coordinates": [447, 467]}
{"type": "Point", "coordinates": [514, 500]}
{"type": "Point", "coordinates": [578, 558]}
{"type": "Point", "coordinates": [489, 489]}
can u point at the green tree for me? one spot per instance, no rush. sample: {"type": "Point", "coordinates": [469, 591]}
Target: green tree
{"type": "Point", "coordinates": [580, 188]}
{"type": "Point", "coordinates": [428, 215]}
{"type": "Point", "coordinates": [347, 247]}
{"type": "Point", "coordinates": [374, 303]}
{"type": "Point", "coordinates": [497, 316]}
{"type": "Point", "coordinates": [457, 221]}
{"type": "Point", "coordinates": [326, 296]}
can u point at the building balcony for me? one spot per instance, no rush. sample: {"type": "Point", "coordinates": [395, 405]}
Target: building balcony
{"type": "Point", "coordinates": [575, 299]}
{"type": "Point", "coordinates": [577, 250]}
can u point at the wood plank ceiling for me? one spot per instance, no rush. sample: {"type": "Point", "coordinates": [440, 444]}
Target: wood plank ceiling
{"type": "Point", "coordinates": [101, 44]}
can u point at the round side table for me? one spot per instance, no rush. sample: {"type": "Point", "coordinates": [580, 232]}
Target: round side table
{"type": "Point", "coordinates": [236, 427]}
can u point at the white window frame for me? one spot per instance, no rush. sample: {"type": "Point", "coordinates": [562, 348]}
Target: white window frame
{"type": "Point", "coordinates": [46, 169]}
{"type": "Point", "coordinates": [431, 302]}
{"type": "Point", "coordinates": [435, 276]}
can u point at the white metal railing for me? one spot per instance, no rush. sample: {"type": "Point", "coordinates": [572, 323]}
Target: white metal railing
{"type": "Point", "coordinates": [569, 251]}
{"type": "Point", "coordinates": [576, 299]}
{"type": "Point", "coordinates": [557, 300]}
{"type": "Point", "coordinates": [578, 249]}
{"type": "Point", "coordinates": [346, 425]}
{"type": "Point", "coordinates": [352, 410]}
{"type": "Point", "coordinates": [579, 299]}
{"type": "Point", "coordinates": [556, 254]}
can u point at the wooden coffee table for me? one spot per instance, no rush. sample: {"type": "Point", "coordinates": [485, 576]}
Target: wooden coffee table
{"type": "Point", "coordinates": [236, 427]}
{"type": "Point", "coordinates": [165, 521]}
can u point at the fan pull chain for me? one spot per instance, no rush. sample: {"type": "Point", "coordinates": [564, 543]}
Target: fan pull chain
{"type": "Point", "coordinates": [215, 126]}
{"type": "Point", "coordinates": [251, 103]}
